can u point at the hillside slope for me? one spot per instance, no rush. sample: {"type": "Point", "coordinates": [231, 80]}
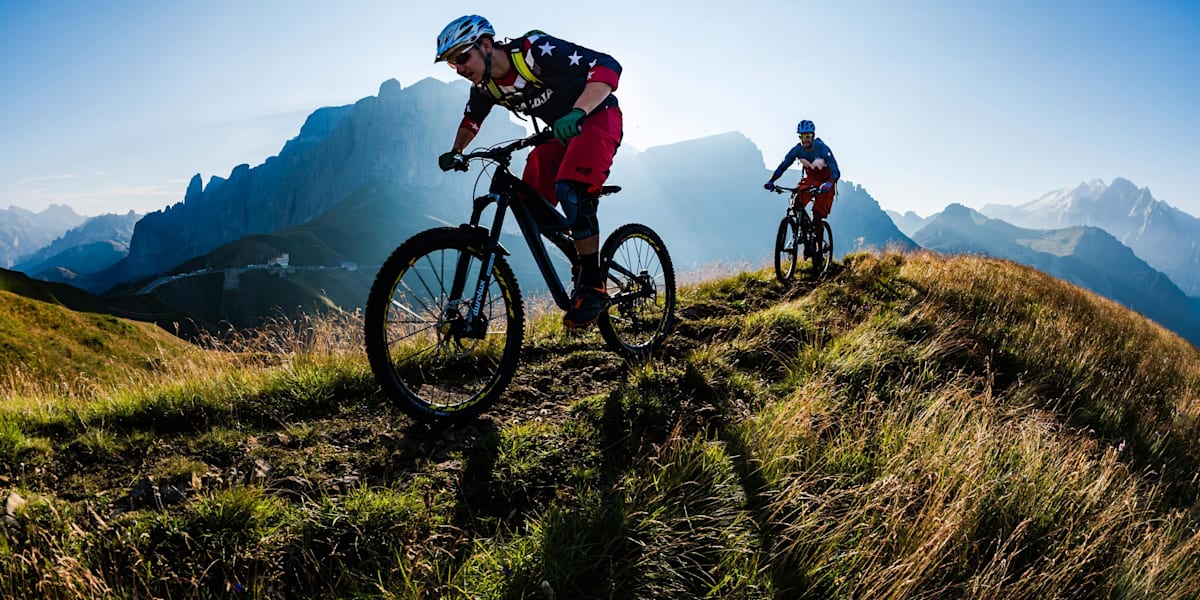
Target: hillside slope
{"type": "Point", "coordinates": [45, 346]}
{"type": "Point", "coordinates": [1086, 256]}
{"type": "Point", "coordinates": [915, 426]}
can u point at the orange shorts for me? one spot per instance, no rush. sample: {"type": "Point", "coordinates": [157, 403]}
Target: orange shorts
{"type": "Point", "coordinates": [824, 200]}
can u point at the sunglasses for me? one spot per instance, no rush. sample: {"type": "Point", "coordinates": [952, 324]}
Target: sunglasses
{"type": "Point", "coordinates": [807, 136]}
{"type": "Point", "coordinates": [461, 59]}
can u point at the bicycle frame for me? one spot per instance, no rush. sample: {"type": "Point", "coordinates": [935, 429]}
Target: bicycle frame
{"type": "Point", "coordinates": [797, 209]}
{"type": "Point", "coordinates": [445, 341]}
{"type": "Point", "coordinates": [537, 219]}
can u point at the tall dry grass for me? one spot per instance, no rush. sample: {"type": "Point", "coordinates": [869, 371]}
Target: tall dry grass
{"type": "Point", "coordinates": [915, 427]}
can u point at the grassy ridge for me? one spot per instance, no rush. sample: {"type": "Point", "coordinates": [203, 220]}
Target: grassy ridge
{"type": "Point", "coordinates": [918, 426]}
{"type": "Point", "coordinates": [47, 347]}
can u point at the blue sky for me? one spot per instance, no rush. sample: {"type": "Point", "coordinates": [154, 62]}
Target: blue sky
{"type": "Point", "coordinates": [113, 106]}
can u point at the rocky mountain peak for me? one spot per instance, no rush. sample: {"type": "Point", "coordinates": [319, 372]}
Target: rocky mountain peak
{"type": "Point", "coordinates": [389, 89]}
{"type": "Point", "coordinates": [394, 136]}
{"type": "Point", "coordinates": [194, 189]}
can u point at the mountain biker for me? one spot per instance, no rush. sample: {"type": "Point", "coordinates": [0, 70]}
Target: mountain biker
{"type": "Point", "coordinates": [559, 83]}
{"type": "Point", "coordinates": [820, 170]}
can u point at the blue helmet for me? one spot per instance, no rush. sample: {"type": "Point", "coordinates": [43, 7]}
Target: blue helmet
{"type": "Point", "coordinates": [806, 126]}
{"type": "Point", "coordinates": [460, 32]}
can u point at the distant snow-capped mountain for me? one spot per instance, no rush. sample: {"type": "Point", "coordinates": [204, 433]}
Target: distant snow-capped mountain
{"type": "Point", "coordinates": [1167, 238]}
{"type": "Point", "coordinates": [1084, 255]}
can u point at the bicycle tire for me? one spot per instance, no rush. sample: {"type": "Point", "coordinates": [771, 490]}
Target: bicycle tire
{"type": "Point", "coordinates": [785, 249]}
{"type": "Point", "coordinates": [822, 259]}
{"type": "Point", "coordinates": [642, 311]}
{"type": "Point", "coordinates": [432, 372]}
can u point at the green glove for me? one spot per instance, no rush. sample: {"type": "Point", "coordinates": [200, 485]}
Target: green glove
{"type": "Point", "coordinates": [567, 126]}
{"type": "Point", "coordinates": [446, 161]}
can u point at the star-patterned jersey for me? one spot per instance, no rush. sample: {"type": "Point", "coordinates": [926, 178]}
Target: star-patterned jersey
{"type": "Point", "coordinates": [561, 70]}
{"type": "Point", "coordinates": [819, 150]}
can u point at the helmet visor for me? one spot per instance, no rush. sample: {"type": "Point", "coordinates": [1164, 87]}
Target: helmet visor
{"type": "Point", "coordinates": [459, 56]}
{"type": "Point", "coordinates": [452, 53]}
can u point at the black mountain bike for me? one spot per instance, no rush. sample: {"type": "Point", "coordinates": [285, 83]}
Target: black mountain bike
{"type": "Point", "coordinates": [796, 233]}
{"type": "Point", "coordinates": [445, 318]}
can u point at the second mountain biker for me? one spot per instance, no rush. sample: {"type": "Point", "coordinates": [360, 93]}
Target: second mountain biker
{"type": "Point", "coordinates": [820, 169]}
{"type": "Point", "coordinates": [560, 83]}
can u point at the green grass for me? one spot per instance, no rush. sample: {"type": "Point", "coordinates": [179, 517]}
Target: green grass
{"type": "Point", "coordinates": [914, 427]}
{"type": "Point", "coordinates": [47, 347]}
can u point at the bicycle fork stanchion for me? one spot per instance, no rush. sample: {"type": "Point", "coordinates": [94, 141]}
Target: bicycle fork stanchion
{"type": "Point", "coordinates": [476, 326]}
{"type": "Point", "coordinates": [805, 233]}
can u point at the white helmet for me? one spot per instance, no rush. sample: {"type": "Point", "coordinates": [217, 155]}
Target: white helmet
{"type": "Point", "coordinates": [460, 32]}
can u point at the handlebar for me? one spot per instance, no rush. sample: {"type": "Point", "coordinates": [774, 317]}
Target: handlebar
{"type": "Point", "coordinates": [504, 152]}
{"type": "Point", "coordinates": [812, 189]}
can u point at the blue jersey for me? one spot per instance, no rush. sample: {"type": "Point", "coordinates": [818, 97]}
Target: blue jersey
{"type": "Point", "coordinates": [819, 150]}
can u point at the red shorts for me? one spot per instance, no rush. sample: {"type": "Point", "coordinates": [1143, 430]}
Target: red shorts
{"type": "Point", "coordinates": [824, 200]}
{"type": "Point", "coordinates": [586, 158]}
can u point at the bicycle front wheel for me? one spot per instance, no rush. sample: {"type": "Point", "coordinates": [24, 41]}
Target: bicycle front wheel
{"type": "Point", "coordinates": [824, 252]}
{"type": "Point", "coordinates": [785, 249]}
{"type": "Point", "coordinates": [640, 279]}
{"type": "Point", "coordinates": [427, 352]}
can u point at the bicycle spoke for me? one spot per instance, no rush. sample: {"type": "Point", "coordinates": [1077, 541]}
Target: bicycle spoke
{"type": "Point", "coordinates": [441, 285]}
{"type": "Point", "coordinates": [426, 349]}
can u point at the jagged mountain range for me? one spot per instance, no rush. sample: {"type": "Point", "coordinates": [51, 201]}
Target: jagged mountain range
{"type": "Point", "coordinates": [1162, 235]}
{"type": "Point", "coordinates": [93, 246]}
{"type": "Point", "coordinates": [359, 179]}
{"type": "Point", "coordinates": [339, 149]}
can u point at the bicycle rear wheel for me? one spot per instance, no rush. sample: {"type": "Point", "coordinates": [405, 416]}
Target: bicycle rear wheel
{"type": "Point", "coordinates": [785, 249]}
{"type": "Point", "coordinates": [424, 351]}
{"type": "Point", "coordinates": [641, 282]}
{"type": "Point", "coordinates": [824, 253]}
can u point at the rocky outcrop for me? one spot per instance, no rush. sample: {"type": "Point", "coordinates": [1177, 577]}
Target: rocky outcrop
{"type": "Point", "coordinates": [394, 136]}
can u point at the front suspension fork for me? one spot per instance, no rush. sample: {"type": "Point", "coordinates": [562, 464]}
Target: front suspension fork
{"type": "Point", "coordinates": [474, 324]}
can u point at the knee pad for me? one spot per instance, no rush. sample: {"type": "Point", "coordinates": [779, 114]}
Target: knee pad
{"type": "Point", "coordinates": [579, 207]}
